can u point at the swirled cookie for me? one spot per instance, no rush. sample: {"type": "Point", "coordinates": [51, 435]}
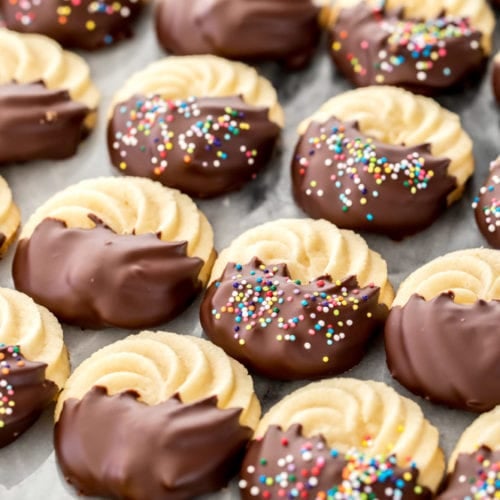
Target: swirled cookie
{"type": "Point", "coordinates": [130, 253]}
{"type": "Point", "coordinates": [83, 24]}
{"type": "Point", "coordinates": [441, 335]}
{"type": "Point", "coordinates": [369, 150]}
{"type": "Point", "coordinates": [344, 438]}
{"type": "Point", "coordinates": [487, 206]}
{"type": "Point", "coordinates": [33, 362]}
{"type": "Point", "coordinates": [174, 425]}
{"type": "Point", "coordinates": [296, 298]}
{"type": "Point", "coordinates": [47, 100]}
{"type": "Point", "coordinates": [201, 124]}
{"type": "Point", "coordinates": [474, 466]}
{"type": "Point", "coordinates": [10, 217]}
{"type": "Point", "coordinates": [240, 29]}
{"type": "Point", "coordinates": [426, 47]}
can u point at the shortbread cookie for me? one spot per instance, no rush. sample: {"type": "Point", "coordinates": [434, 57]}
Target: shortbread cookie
{"type": "Point", "coordinates": [487, 206]}
{"type": "Point", "coordinates": [130, 253]}
{"type": "Point", "coordinates": [83, 24]}
{"type": "Point", "coordinates": [426, 47]}
{"type": "Point", "coordinates": [201, 124]}
{"type": "Point", "coordinates": [381, 159]}
{"type": "Point", "coordinates": [47, 100]}
{"type": "Point", "coordinates": [441, 335]}
{"type": "Point", "coordinates": [238, 29]}
{"type": "Point", "coordinates": [344, 438]}
{"type": "Point", "coordinates": [10, 217]}
{"type": "Point", "coordinates": [296, 298]}
{"type": "Point", "coordinates": [474, 467]}
{"type": "Point", "coordinates": [33, 362]}
{"type": "Point", "coordinates": [174, 425]}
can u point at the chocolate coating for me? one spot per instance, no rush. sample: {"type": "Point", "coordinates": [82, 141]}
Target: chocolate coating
{"type": "Point", "coordinates": [308, 466]}
{"type": "Point", "coordinates": [373, 46]}
{"type": "Point", "coordinates": [24, 392]}
{"type": "Point", "coordinates": [240, 29]}
{"type": "Point", "coordinates": [83, 24]}
{"type": "Point", "coordinates": [495, 78]}
{"type": "Point", "coordinates": [476, 475]}
{"type": "Point", "coordinates": [446, 352]}
{"type": "Point", "coordinates": [3, 239]}
{"type": "Point", "coordinates": [38, 123]}
{"type": "Point", "coordinates": [96, 278]}
{"type": "Point", "coordinates": [355, 181]}
{"type": "Point", "coordinates": [118, 447]}
{"type": "Point", "coordinates": [487, 206]}
{"type": "Point", "coordinates": [286, 330]}
{"type": "Point", "coordinates": [204, 147]}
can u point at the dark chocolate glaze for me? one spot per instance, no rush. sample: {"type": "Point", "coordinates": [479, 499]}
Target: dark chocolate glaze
{"type": "Point", "coordinates": [204, 147]}
{"type": "Point", "coordinates": [118, 447]}
{"type": "Point", "coordinates": [476, 475]}
{"type": "Point", "coordinates": [487, 206]}
{"type": "Point", "coordinates": [85, 24]}
{"type": "Point", "coordinates": [39, 123]}
{"type": "Point", "coordinates": [495, 79]}
{"type": "Point", "coordinates": [287, 330]}
{"type": "Point", "coordinates": [3, 239]}
{"type": "Point", "coordinates": [446, 352]}
{"type": "Point", "coordinates": [282, 464]}
{"type": "Point", "coordinates": [96, 278]}
{"type": "Point", "coordinates": [334, 178]}
{"type": "Point", "coordinates": [240, 29]}
{"type": "Point", "coordinates": [373, 46]}
{"type": "Point", "coordinates": [24, 392]}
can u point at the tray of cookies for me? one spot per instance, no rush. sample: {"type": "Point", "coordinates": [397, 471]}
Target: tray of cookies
{"type": "Point", "coordinates": [249, 249]}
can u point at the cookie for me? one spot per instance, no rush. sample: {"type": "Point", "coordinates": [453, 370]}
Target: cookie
{"type": "Point", "coordinates": [474, 466]}
{"type": "Point", "coordinates": [343, 438]}
{"type": "Point", "coordinates": [47, 100]}
{"type": "Point", "coordinates": [130, 253]}
{"type": "Point", "coordinates": [426, 47]}
{"type": "Point", "coordinates": [10, 217]}
{"type": "Point", "coordinates": [441, 336]}
{"type": "Point", "coordinates": [296, 298]}
{"type": "Point", "coordinates": [201, 124]}
{"type": "Point", "coordinates": [33, 362]}
{"type": "Point", "coordinates": [237, 29]}
{"type": "Point", "coordinates": [369, 150]}
{"type": "Point", "coordinates": [157, 415]}
{"type": "Point", "coordinates": [82, 24]}
{"type": "Point", "coordinates": [487, 206]}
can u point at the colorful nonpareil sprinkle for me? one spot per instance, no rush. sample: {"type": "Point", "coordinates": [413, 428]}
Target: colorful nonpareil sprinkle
{"type": "Point", "coordinates": [491, 208]}
{"type": "Point", "coordinates": [350, 158]}
{"type": "Point", "coordinates": [419, 46]}
{"type": "Point", "coordinates": [265, 297]}
{"type": "Point", "coordinates": [298, 468]}
{"type": "Point", "coordinates": [9, 356]}
{"type": "Point", "coordinates": [153, 118]}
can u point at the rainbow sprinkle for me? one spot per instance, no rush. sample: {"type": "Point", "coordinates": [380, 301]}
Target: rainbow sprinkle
{"type": "Point", "coordinates": [7, 392]}
{"type": "Point", "coordinates": [259, 296]}
{"type": "Point", "coordinates": [152, 118]}
{"type": "Point", "coordinates": [485, 484]}
{"type": "Point", "coordinates": [353, 158]}
{"type": "Point", "coordinates": [490, 210]}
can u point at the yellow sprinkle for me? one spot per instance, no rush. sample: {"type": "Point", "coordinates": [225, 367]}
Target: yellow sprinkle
{"type": "Point", "coordinates": [326, 359]}
{"type": "Point", "coordinates": [64, 11]}
{"type": "Point", "coordinates": [123, 165]}
{"type": "Point", "coordinates": [241, 342]}
{"type": "Point", "coordinates": [90, 25]}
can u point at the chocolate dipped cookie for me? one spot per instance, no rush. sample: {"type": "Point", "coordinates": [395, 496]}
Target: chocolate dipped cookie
{"type": "Point", "coordinates": [367, 151]}
{"type": "Point", "coordinates": [487, 206]}
{"type": "Point", "coordinates": [34, 362]}
{"type": "Point", "coordinates": [474, 466]}
{"type": "Point", "coordinates": [240, 29]}
{"type": "Point", "coordinates": [10, 217]}
{"type": "Point", "coordinates": [156, 415]}
{"type": "Point", "coordinates": [441, 336]}
{"type": "Point", "coordinates": [81, 24]}
{"type": "Point", "coordinates": [201, 124]}
{"type": "Point", "coordinates": [47, 101]}
{"type": "Point", "coordinates": [343, 438]}
{"type": "Point", "coordinates": [424, 46]}
{"type": "Point", "coordinates": [125, 252]}
{"type": "Point", "coordinates": [296, 298]}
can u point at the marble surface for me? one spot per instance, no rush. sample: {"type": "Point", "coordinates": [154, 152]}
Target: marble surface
{"type": "Point", "coordinates": [27, 467]}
